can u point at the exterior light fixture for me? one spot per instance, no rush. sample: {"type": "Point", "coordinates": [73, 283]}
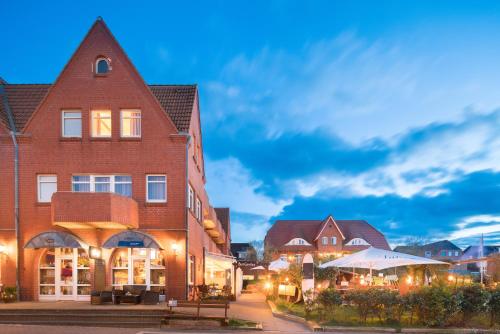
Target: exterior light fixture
{"type": "Point", "coordinates": [3, 249]}
{"type": "Point", "coordinates": [409, 280]}
{"type": "Point", "coordinates": [451, 278]}
{"type": "Point", "coordinates": [319, 286]}
{"type": "Point", "coordinates": [267, 286]}
{"type": "Point", "coordinates": [95, 252]}
{"type": "Point", "coordinates": [175, 248]}
{"type": "Point", "coordinates": [286, 279]}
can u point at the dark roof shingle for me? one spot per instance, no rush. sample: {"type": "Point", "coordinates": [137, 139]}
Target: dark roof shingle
{"type": "Point", "coordinates": [285, 230]}
{"type": "Point", "coordinates": [177, 100]}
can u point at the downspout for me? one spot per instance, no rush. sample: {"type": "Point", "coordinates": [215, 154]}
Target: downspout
{"type": "Point", "coordinates": [186, 213]}
{"type": "Point", "coordinates": [13, 132]}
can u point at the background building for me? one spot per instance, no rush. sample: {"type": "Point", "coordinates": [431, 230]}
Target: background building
{"type": "Point", "coordinates": [443, 250]}
{"type": "Point", "coordinates": [291, 239]}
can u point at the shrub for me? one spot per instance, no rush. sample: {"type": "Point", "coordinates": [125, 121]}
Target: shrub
{"type": "Point", "coordinates": [471, 300]}
{"type": "Point", "coordinates": [9, 294]}
{"type": "Point", "coordinates": [494, 306]}
{"type": "Point", "coordinates": [328, 299]}
{"type": "Point", "coordinates": [362, 301]}
{"type": "Point", "coordinates": [435, 305]}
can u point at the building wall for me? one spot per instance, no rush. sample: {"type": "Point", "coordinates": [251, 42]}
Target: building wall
{"type": "Point", "coordinates": [160, 150]}
{"type": "Point", "coordinates": [330, 230]}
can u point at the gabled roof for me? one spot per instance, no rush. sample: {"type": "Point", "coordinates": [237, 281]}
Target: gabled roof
{"type": "Point", "coordinates": [285, 230]}
{"type": "Point", "coordinates": [474, 251]}
{"type": "Point", "coordinates": [177, 101]}
{"type": "Point", "coordinates": [323, 225]}
{"type": "Point", "coordinates": [434, 248]}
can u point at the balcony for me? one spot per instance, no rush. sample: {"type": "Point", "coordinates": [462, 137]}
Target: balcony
{"type": "Point", "coordinates": [213, 227]}
{"type": "Point", "coordinates": [86, 210]}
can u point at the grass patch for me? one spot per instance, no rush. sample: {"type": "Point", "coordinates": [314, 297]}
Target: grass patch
{"type": "Point", "coordinates": [241, 323]}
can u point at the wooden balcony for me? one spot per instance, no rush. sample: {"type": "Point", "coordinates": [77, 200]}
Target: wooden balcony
{"type": "Point", "coordinates": [86, 210]}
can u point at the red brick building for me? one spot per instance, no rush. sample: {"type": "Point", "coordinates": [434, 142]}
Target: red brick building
{"type": "Point", "coordinates": [111, 182]}
{"type": "Point", "coordinates": [291, 239]}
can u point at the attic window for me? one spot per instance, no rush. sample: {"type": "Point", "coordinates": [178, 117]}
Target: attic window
{"type": "Point", "coordinates": [102, 66]}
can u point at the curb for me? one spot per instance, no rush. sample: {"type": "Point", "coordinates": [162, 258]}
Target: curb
{"type": "Point", "coordinates": [313, 326]}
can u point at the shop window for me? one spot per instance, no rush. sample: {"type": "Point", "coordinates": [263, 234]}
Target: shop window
{"type": "Point", "coordinates": [141, 266]}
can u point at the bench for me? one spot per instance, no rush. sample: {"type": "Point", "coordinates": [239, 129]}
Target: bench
{"type": "Point", "coordinates": [199, 304]}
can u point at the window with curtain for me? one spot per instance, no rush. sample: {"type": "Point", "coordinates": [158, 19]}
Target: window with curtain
{"type": "Point", "coordinates": [72, 123]}
{"type": "Point", "coordinates": [156, 188]}
{"type": "Point", "coordinates": [101, 123]}
{"type": "Point", "coordinates": [131, 123]}
{"type": "Point", "coordinates": [120, 184]}
{"type": "Point", "coordinates": [47, 185]}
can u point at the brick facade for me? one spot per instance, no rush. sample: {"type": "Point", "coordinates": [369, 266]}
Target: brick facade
{"type": "Point", "coordinates": [161, 149]}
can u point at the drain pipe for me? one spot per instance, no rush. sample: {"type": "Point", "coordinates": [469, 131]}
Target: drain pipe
{"type": "Point", "coordinates": [186, 212]}
{"type": "Point", "coordinates": [13, 133]}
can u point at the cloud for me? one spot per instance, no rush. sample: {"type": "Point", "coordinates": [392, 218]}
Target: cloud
{"type": "Point", "coordinates": [230, 182]}
{"type": "Point", "coordinates": [246, 227]}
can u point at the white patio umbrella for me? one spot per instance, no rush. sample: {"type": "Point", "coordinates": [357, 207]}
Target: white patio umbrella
{"type": "Point", "coordinates": [378, 259]}
{"type": "Point", "coordinates": [258, 268]}
{"type": "Point", "coordinates": [278, 265]}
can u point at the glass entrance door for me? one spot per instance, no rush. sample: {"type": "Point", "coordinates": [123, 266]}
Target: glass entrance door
{"type": "Point", "coordinates": [64, 274]}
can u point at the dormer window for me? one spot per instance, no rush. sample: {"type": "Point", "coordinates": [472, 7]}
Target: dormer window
{"type": "Point", "coordinates": [102, 65]}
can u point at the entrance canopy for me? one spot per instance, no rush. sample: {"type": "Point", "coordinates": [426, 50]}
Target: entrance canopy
{"type": "Point", "coordinates": [131, 239]}
{"type": "Point", "coordinates": [55, 239]}
{"type": "Point", "coordinates": [218, 261]}
{"type": "Point", "coordinates": [379, 259]}
{"type": "Point", "coordinates": [278, 265]}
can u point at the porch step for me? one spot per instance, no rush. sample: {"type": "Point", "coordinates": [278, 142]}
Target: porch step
{"type": "Point", "coordinates": [76, 317]}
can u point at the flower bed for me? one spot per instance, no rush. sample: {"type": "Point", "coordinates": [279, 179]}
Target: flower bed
{"type": "Point", "coordinates": [437, 307]}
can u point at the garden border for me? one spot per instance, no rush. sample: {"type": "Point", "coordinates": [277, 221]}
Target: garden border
{"type": "Point", "coordinates": [315, 327]}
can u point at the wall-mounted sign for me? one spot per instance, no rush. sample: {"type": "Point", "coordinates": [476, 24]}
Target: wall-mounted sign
{"type": "Point", "coordinates": [131, 243]}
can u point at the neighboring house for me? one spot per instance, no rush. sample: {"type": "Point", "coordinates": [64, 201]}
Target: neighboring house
{"type": "Point", "coordinates": [111, 182]}
{"type": "Point", "coordinates": [443, 250]}
{"type": "Point", "coordinates": [474, 252]}
{"type": "Point", "coordinates": [291, 239]}
{"type": "Point", "coordinates": [243, 252]}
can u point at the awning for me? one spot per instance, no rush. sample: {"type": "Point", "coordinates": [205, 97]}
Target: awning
{"type": "Point", "coordinates": [55, 239]}
{"type": "Point", "coordinates": [131, 239]}
{"type": "Point", "coordinates": [278, 265]}
{"type": "Point", "coordinates": [379, 259]}
{"type": "Point", "coordinates": [218, 261]}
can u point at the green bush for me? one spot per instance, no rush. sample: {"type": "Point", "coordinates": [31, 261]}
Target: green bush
{"type": "Point", "coordinates": [471, 300]}
{"type": "Point", "coordinates": [362, 301]}
{"type": "Point", "coordinates": [328, 299]}
{"type": "Point", "coordinates": [494, 306]}
{"type": "Point", "coordinates": [435, 305]}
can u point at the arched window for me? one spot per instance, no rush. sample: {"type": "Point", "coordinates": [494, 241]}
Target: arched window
{"type": "Point", "coordinates": [102, 66]}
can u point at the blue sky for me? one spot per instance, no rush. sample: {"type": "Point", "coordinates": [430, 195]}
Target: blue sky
{"type": "Point", "coordinates": [386, 111]}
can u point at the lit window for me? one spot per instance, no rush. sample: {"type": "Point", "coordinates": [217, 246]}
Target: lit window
{"type": "Point", "coordinates": [190, 198]}
{"type": "Point", "coordinates": [334, 240]}
{"type": "Point", "coordinates": [324, 240]}
{"type": "Point", "coordinates": [72, 123]}
{"type": "Point", "coordinates": [191, 268]}
{"type": "Point", "coordinates": [47, 185]}
{"type": "Point", "coordinates": [156, 188]}
{"type": "Point", "coordinates": [101, 123]}
{"type": "Point", "coordinates": [120, 184]}
{"type": "Point", "coordinates": [102, 66]}
{"type": "Point", "coordinates": [131, 123]}
{"type": "Point", "coordinates": [198, 209]}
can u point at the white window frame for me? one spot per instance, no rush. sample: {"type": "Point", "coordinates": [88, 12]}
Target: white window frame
{"type": "Point", "coordinates": [428, 254]}
{"type": "Point", "coordinates": [97, 63]}
{"type": "Point", "coordinates": [324, 241]}
{"type": "Point", "coordinates": [92, 112]}
{"type": "Point", "coordinates": [198, 208]}
{"type": "Point", "coordinates": [147, 189]}
{"type": "Point", "coordinates": [190, 198]}
{"type": "Point", "coordinates": [39, 187]}
{"type": "Point", "coordinates": [333, 240]}
{"type": "Point", "coordinates": [456, 253]}
{"type": "Point", "coordinates": [64, 117]}
{"type": "Point", "coordinates": [131, 117]}
{"type": "Point", "coordinates": [92, 182]}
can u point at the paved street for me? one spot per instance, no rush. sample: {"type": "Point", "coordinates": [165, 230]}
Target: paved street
{"type": "Point", "coordinates": [249, 306]}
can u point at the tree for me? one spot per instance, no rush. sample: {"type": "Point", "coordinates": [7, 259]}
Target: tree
{"type": "Point", "coordinates": [326, 274]}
